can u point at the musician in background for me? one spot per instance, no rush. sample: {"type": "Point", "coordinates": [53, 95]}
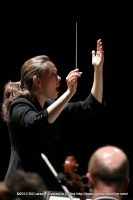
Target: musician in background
{"type": "Point", "coordinates": [73, 179]}
{"type": "Point", "coordinates": [108, 173]}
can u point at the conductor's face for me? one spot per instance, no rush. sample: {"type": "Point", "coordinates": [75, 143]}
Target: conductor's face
{"type": "Point", "coordinates": [50, 81]}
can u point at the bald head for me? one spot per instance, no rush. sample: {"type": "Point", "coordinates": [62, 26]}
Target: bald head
{"type": "Point", "coordinates": [109, 164]}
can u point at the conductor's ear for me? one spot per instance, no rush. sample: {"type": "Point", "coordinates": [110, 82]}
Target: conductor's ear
{"type": "Point", "coordinates": [36, 81]}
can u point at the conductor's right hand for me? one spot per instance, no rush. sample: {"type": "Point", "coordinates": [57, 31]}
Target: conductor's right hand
{"type": "Point", "coordinates": [72, 80]}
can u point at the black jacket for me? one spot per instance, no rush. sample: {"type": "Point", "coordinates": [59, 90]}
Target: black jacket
{"type": "Point", "coordinates": [31, 134]}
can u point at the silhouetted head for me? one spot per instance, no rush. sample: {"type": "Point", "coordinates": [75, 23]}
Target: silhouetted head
{"type": "Point", "coordinates": [27, 184]}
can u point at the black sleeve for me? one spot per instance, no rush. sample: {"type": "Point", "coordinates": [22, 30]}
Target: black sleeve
{"type": "Point", "coordinates": [25, 114]}
{"type": "Point", "coordinates": [80, 109]}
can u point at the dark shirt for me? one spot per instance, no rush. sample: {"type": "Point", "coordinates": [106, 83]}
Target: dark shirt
{"type": "Point", "coordinates": [31, 134]}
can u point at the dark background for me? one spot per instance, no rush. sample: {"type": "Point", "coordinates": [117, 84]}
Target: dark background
{"type": "Point", "coordinates": [29, 29]}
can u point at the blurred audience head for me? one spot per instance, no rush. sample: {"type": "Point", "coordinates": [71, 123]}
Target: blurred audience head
{"type": "Point", "coordinates": [25, 186]}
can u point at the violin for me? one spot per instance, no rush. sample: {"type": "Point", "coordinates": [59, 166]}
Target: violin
{"type": "Point", "coordinates": [75, 183]}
